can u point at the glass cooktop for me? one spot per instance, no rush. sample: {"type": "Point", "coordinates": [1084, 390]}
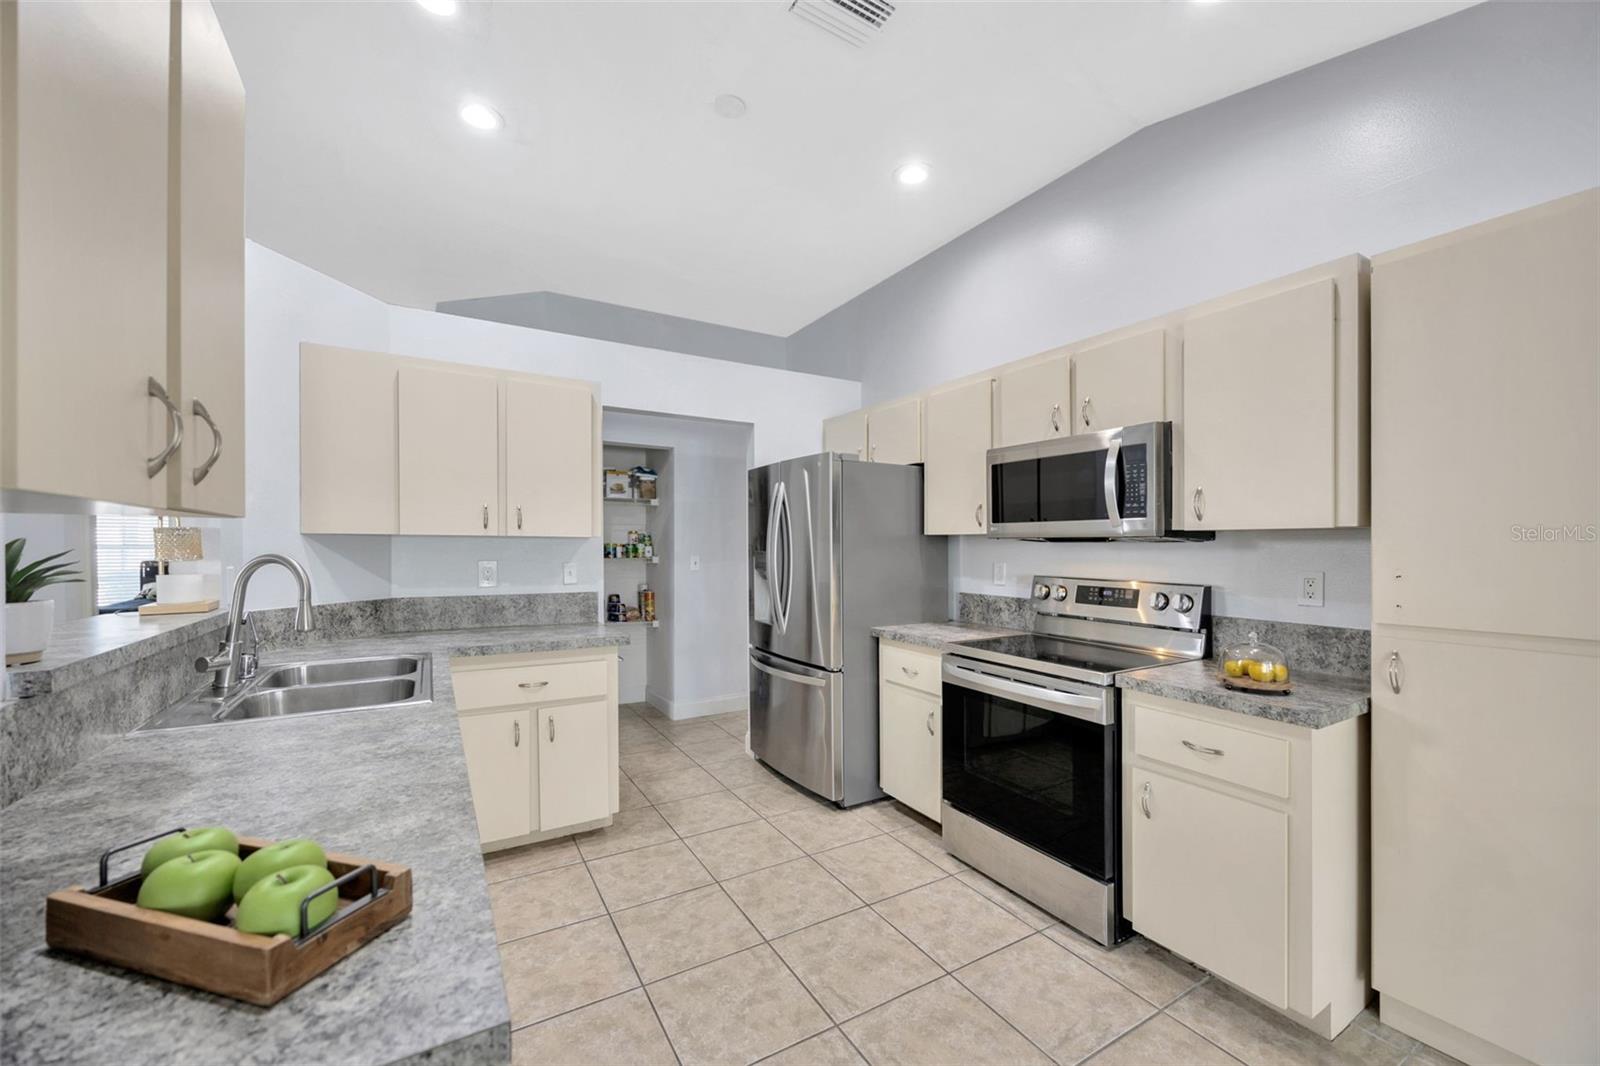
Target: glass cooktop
{"type": "Point", "coordinates": [1079, 659]}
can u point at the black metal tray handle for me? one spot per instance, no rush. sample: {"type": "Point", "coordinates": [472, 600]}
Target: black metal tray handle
{"type": "Point", "coordinates": [375, 891]}
{"type": "Point", "coordinates": [105, 856]}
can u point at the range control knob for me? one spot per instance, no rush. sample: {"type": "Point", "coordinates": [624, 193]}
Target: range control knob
{"type": "Point", "coordinates": [1061, 592]}
{"type": "Point", "coordinates": [1185, 603]}
{"type": "Point", "coordinates": [1160, 600]}
{"type": "Point", "coordinates": [1041, 591]}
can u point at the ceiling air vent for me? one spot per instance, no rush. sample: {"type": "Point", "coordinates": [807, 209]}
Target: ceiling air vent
{"type": "Point", "coordinates": [852, 21]}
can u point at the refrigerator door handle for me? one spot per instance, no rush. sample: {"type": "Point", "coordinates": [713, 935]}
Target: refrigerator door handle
{"type": "Point", "coordinates": [785, 539]}
{"type": "Point", "coordinates": [786, 675]}
{"type": "Point", "coordinates": [774, 593]}
{"type": "Point", "coordinates": [811, 559]}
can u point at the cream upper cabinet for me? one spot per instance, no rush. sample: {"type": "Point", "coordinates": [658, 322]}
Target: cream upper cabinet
{"type": "Point", "coordinates": [210, 268]}
{"type": "Point", "coordinates": [349, 464]}
{"type": "Point", "coordinates": [1258, 423]}
{"type": "Point", "coordinates": [1034, 401]}
{"type": "Point", "coordinates": [1122, 383]}
{"type": "Point", "coordinates": [573, 748]}
{"type": "Point", "coordinates": [955, 473]}
{"type": "Point", "coordinates": [1484, 378]}
{"type": "Point", "coordinates": [84, 291]}
{"type": "Point", "coordinates": [894, 432]}
{"type": "Point", "coordinates": [551, 471]}
{"type": "Point", "coordinates": [449, 452]}
{"type": "Point", "coordinates": [1484, 850]}
{"type": "Point", "coordinates": [498, 747]}
{"type": "Point", "coordinates": [846, 434]}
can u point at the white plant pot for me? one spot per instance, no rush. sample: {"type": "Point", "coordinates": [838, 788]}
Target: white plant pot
{"type": "Point", "coordinates": [28, 628]}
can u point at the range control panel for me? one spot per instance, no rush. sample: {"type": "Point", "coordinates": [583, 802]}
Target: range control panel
{"type": "Point", "coordinates": [1142, 602]}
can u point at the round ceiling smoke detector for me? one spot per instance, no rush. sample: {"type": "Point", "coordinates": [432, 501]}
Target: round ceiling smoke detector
{"type": "Point", "coordinates": [729, 106]}
{"type": "Point", "coordinates": [912, 173]}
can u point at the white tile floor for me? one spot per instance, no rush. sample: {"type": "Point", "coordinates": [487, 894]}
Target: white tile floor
{"type": "Point", "coordinates": [729, 917]}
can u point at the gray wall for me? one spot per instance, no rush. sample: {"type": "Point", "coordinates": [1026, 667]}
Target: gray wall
{"type": "Point", "coordinates": [1484, 112]}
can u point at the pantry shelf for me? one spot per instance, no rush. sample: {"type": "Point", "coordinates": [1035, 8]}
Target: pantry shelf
{"type": "Point", "coordinates": [653, 625]}
{"type": "Point", "coordinates": [654, 560]}
{"type": "Point", "coordinates": [641, 503]}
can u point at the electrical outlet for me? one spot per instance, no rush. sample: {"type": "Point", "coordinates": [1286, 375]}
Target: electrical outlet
{"type": "Point", "coordinates": [569, 573]}
{"type": "Point", "coordinates": [488, 573]}
{"type": "Point", "coordinates": [694, 562]}
{"type": "Point", "coordinates": [1310, 589]}
{"type": "Point", "coordinates": [999, 573]}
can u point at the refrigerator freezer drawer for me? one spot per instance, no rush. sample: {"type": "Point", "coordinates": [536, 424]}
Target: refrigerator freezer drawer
{"type": "Point", "coordinates": [796, 722]}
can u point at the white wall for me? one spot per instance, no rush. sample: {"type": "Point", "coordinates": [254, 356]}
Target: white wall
{"type": "Point", "coordinates": [48, 534]}
{"type": "Point", "coordinates": [1472, 116]}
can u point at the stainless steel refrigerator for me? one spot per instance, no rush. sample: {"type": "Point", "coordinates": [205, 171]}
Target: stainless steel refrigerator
{"type": "Point", "coordinates": [836, 547]}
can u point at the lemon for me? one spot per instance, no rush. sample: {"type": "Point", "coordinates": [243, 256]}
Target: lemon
{"type": "Point", "coordinates": [1280, 673]}
{"type": "Point", "coordinates": [1233, 667]}
{"type": "Point", "coordinates": [1260, 671]}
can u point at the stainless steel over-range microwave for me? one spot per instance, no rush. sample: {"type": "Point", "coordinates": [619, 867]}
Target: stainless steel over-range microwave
{"type": "Point", "coordinates": [1111, 485]}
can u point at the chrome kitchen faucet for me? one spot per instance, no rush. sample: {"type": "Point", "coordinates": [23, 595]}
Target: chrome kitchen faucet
{"type": "Point", "coordinates": [233, 664]}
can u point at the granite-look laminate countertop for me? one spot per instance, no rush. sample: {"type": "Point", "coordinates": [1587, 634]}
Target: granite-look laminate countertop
{"type": "Point", "coordinates": [938, 634]}
{"type": "Point", "coordinates": [1315, 700]}
{"type": "Point", "coordinates": [89, 647]}
{"type": "Point", "coordinates": [387, 783]}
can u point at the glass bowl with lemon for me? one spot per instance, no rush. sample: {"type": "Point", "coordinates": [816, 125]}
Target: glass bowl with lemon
{"type": "Point", "coordinates": [1254, 666]}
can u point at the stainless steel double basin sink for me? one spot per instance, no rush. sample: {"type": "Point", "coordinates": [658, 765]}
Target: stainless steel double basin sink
{"type": "Point", "coordinates": [317, 686]}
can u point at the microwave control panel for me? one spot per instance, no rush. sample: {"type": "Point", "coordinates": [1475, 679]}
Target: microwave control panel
{"type": "Point", "coordinates": [1135, 474]}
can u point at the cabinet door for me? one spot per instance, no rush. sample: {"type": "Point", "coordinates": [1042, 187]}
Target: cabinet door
{"type": "Point", "coordinates": [908, 747]}
{"type": "Point", "coordinates": [86, 235]}
{"type": "Point", "coordinates": [551, 478]}
{"type": "Point", "coordinates": [449, 452]}
{"type": "Point", "coordinates": [1211, 881]}
{"type": "Point", "coordinates": [1258, 414]}
{"type": "Point", "coordinates": [1033, 402]}
{"type": "Point", "coordinates": [574, 779]}
{"type": "Point", "coordinates": [499, 750]}
{"type": "Point", "coordinates": [894, 433]}
{"type": "Point", "coordinates": [210, 267]}
{"type": "Point", "coordinates": [955, 473]}
{"type": "Point", "coordinates": [348, 441]}
{"type": "Point", "coordinates": [1484, 851]}
{"type": "Point", "coordinates": [846, 434]}
{"type": "Point", "coordinates": [1484, 378]}
{"type": "Point", "coordinates": [1120, 384]}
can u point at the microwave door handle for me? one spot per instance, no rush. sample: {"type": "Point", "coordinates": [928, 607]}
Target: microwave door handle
{"type": "Point", "coordinates": [1113, 512]}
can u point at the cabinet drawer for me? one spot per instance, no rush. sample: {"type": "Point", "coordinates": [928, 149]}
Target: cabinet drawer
{"type": "Point", "coordinates": [1252, 760]}
{"type": "Point", "coordinates": [512, 685]}
{"type": "Point", "coordinates": [914, 669]}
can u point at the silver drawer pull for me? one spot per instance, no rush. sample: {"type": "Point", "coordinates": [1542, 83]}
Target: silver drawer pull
{"type": "Point", "coordinates": [930, 723]}
{"type": "Point", "coordinates": [1394, 672]}
{"type": "Point", "coordinates": [908, 671]}
{"type": "Point", "coordinates": [1201, 749]}
{"type": "Point", "coordinates": [552, 721]}
{"type": "Point", "coordinates": [1144, 799]}
{"type": "Point", "coordinates": [516, 734]}
{"type": "Point", "coordinates": [532, 684]}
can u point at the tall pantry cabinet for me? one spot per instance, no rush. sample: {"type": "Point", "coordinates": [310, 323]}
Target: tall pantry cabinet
{"type": "Point", "coordinates": [1486, 638]}
{"type": "Point", "coordinates": [122, 232]}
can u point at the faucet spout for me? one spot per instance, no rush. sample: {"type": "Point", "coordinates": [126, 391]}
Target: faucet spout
{"type": "Point", "coordinates": [233, 664]}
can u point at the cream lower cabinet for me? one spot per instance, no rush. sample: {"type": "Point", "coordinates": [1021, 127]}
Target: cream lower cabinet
{"type": "Point", "coordinates": [909, 727]}
{"type": "Point", "coordinates": [1122, 383]}
{"type": "Point", "coordinates": [1246, 851]}
{"type": "Point", "coordinates": [1032, 401]}
{"type": "Point", "coordinates": [894, 432]}
{"type": "Point", "coordinates": [958, 431]}
{"type": "Point", "coordinates": [540, 737]}
{"type": "Point", "coordinates": [846, 434]}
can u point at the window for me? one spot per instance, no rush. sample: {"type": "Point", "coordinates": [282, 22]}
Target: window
{"type": "Point", "coordinates": [121, 543]}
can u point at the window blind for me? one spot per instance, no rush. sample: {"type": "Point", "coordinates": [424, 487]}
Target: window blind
{"type": "Point", "coordinates": [121, 543]}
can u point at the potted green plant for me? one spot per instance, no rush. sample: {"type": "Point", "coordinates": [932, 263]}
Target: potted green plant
{"type": "Point", "coordinates": [29, 621]}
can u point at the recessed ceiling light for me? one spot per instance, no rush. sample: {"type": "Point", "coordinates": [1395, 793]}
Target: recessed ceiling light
{"type": "Point", "coordinates": [729, 106]}
{"type": "Point", "coordinates": [443, 8]}
{"type": "Point", "coordinates": [481, 116]}
{"type": "Point", "coordinates": [912, 173]}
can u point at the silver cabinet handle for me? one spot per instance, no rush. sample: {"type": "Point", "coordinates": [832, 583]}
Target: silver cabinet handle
{"type": "Point", "coordinates": [930, 723]}
{"type": "Point", "coordinates": [1395, 674]}
{"type": "Point", "coordinates": [1083, 409]}
{"type": "Point", "coordinates": [1199, 504]}
{"type": "Point", "coordinates": [485, 516]}
{"type": "Point", "coordinates": [977, 514]}
{"type": "Point", "coordinates": [908, 671]}
{"type": "Point", "coordinates": [156, 463]}
{"type": "Point", "coordinates": [532, 684]}
{"type": "Point", "coordinates": [1144, 799]}
{"type": "Point", "coordinates": [204, 468]}
{"type": "Point", "coordinates": [1201, 749]}
{"type": "Point", "coordinates": [552, 721]}
{"type": "Point", "coordinates": [872, 454]}
{"type": "Point", "coordinates": [1055, 417]}
{"type": "Point", "coordinates": [519, 517]}
{"type": "Point", "coordinates": [516, 734]}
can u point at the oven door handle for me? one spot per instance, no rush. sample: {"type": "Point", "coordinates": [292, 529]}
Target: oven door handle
{"type": "Point", "coordinates": [1072, 704]}
{"type": "Point", "coordinates": [1113, 512]}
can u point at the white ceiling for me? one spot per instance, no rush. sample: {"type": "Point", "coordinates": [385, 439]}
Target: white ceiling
{"type": "Point", "coordinates": [614, 179]}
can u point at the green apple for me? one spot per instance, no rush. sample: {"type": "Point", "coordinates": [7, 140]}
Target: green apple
{"type": "Point", "coordinates": [266, 861]}
{"type": "Point", "coordinates": [197, 885]}
{"type": "Point", "coordinates": [214, 838]}
{"type": "Point", "coordinates": [273, 903]}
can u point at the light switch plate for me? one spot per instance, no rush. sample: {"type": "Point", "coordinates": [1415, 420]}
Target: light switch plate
{"type": "Point", "coordinates": [1310, 589]}
{"type": "Point", "coordinates": [999, 573]}
{"type": "Point", "coordinates": [694, 562]}
{"type": "Point", "coordinates": [488, 573]}
{"type": "Point", "coordinates": [569, 573]}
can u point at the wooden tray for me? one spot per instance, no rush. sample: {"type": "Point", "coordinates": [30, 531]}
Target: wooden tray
{"type": "Point", "coordinates": [104, 923]}
{"type": "Point", "coordinates": [196, 607]}
{"type": "Point", "coordinates": [1250, 684]}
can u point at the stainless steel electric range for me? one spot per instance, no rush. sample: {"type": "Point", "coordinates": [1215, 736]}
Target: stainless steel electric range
{"type": "Point", "coordinates": [1031, 755]}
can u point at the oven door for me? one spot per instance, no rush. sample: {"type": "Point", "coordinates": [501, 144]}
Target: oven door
{"type": "Point", "coordinates": [1036, 761]}
{"type": "Point", "coordinates": [1089, 486]}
